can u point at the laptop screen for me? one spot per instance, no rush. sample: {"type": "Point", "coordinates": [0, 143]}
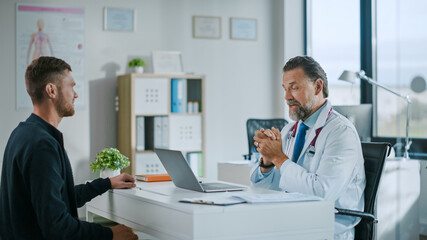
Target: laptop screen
{"type": "Point", "coordinates": [178, 169]}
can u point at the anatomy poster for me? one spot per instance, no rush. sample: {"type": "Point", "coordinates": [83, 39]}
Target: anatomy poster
{"type": "Point", "coordinates": [49, 31]}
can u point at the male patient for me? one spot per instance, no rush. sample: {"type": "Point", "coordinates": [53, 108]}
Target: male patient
{"type": "Point", "coordinates": [318, 155]}
{"type": "Point", "coordinates": [38, 199]}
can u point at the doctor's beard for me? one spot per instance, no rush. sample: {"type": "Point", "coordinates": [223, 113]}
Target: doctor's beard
{"type": "Point", "coordinates": [302, 112]}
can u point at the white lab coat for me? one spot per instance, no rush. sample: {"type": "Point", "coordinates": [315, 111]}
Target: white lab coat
{"type": "Point", "coordinates": [334, 172]}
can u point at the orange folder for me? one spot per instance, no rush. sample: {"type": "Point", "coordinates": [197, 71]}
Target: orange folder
{"type": "Point", "coordinates": [153, 177]}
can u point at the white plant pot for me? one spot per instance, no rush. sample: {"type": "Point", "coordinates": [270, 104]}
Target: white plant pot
{"type": "Point", "coordinates": [109, 173]}
{"type": "Point", "coordinates": [138, 69]}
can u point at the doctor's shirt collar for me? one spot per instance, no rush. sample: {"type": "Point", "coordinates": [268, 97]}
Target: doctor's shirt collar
{"type": "Point", "coordinates": [310, 121]}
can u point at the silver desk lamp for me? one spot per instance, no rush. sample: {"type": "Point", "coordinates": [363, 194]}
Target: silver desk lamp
{"type": "Point", "coordinates": [349, 76]}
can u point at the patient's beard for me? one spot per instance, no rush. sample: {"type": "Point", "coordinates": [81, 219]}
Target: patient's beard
{"type": "Point", "coordinates": [63, 108]}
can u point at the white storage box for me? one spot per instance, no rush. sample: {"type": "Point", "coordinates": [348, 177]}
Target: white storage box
{"type": "Point", "coordinates": [152, 95]}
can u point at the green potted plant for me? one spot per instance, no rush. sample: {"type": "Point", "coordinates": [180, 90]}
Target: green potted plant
{"type": "Point", "coordinates": [137, 64]}
{"type": "Point", "coordinates": [109, 162]}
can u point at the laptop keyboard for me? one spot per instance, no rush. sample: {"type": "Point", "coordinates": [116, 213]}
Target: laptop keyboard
{"type": "Point", "coordinates": [214, 186]}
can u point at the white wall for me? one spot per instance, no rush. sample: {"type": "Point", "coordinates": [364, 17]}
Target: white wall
{"type": "Point", "coordinates": [294, 35]}
{"type": "Point", "coordinates": [243, 78]}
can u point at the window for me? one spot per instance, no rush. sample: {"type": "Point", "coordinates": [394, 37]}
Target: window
{"type": "Point", "coordinates": [333, 40]}
{"type": "Point", "coordinates": [401, 57]}
{"type": "Point", "coordinates": [395, 55]}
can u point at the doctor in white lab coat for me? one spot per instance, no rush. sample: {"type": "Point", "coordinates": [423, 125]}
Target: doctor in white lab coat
{"type": "Point", "coordinates": [330, 163]}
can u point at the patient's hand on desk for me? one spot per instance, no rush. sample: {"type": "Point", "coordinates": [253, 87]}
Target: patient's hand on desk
{"type": "Point", "coordinates": [120, 231]}
{"type": "Point", "coordinates": [123, 180]}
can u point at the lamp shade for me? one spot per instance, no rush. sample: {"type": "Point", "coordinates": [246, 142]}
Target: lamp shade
{"type": "Point", "coordinates": [348, 76]}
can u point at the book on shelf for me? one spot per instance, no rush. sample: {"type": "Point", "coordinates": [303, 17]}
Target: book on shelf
{"type": "Point", "coordinates": [153, 177]}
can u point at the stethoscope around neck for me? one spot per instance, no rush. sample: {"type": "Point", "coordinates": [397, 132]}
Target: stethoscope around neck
{"type": "Point", "coordinates": [293, 132]}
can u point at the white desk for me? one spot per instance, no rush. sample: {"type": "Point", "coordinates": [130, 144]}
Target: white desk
{"type": "Point", "coordinates": [157, 212]}
{"type": "Point", "coordinates": [397, 203]}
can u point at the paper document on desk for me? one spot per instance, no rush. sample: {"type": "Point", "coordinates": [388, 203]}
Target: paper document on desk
{"type": "Point", "coordinates": [276, 197]}
{"type": "Point", "coordinates": [221, 200]}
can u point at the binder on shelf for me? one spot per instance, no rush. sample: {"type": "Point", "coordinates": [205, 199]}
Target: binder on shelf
{"type": "Point", "coordinates": [153, 177]}
{"type": "Point", "coordinates": [140, 133]}
{"type": "Point", "coordinates": [149, 133]}
{"type": "Point", "coordinates": [165, 132]}
{"type": "Point", "coordinates": [158, 132]}
{"type": "Point", "coordinates": [178, 95]}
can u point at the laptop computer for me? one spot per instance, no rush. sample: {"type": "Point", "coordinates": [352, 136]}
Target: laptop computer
{"type": "Point", "coordinates": [183, 177]}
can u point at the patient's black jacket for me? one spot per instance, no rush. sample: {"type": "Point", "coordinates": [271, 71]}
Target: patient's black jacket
{"type": "Point", "coordinates": [38, 199]}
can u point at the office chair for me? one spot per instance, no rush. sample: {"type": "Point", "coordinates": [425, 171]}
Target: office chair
{"type": "Point", "coordinates": [374, 154]}
{"type": "Point", "coordinates": [255, 124]}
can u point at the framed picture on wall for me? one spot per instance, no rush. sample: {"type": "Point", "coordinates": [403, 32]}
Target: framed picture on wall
{"type": "Point", "coordinates": [206, 27]}
{"type": "Point", "coordinates": [243, 28]}
{"type": "Point", "coordinates": [119, 19]}
{"type": "Point", "coordinates": [167, 62]}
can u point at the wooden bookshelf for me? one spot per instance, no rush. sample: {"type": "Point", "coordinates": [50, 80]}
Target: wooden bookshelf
{"type": "Point", "coordinates": [147, 98]}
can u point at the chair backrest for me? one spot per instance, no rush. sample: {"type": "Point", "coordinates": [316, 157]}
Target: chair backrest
{"type": "Point", "coordinates": [374, 155]}
{"type": "Point", "coordinates": [253, 124]}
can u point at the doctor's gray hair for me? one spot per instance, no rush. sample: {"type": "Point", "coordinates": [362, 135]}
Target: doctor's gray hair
{"type": "Point", "coordinates": [311, 68]}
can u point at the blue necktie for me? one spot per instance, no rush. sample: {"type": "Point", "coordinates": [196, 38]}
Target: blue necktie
{"type": "Point", "coordinates": [299, 143]}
